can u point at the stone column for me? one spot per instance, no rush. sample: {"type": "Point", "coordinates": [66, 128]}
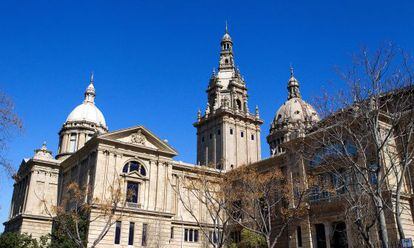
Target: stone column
{"type": "Point", "coordinates": [214, 145]}
{"type": "Point", "coordinates": [327, 234]}
{"type": "Point", "coordinates": [64, 145]}
{"type": "Point", "coordinates": [82, 140]}
{"type": "Point", "coordinates": [307, 237]}
{"type": "Point", "coordinates": [313, 237]}
{"type": "Point", "coordinates": [349, 234]}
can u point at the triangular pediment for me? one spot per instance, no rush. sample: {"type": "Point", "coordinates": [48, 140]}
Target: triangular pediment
{"type": "Point", "coordinates": [141, 137]}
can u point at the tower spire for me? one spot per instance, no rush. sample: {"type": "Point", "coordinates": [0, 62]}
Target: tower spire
{"type": "Point", "coordinates": [226, 53]}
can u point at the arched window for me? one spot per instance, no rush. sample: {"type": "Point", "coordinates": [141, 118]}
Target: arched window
{"type": "Point", "coordinates": [134, 166]}
{"type": "Point", "coordinates": [239, 105]}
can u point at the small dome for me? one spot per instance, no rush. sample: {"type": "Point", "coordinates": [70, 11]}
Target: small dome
{"type": "Point", "coordinates": [295, 110]}
{"type": "Point", "coordinates": [226, 37]}
{"type": "Point", "coordinates": [90, 89]}
{"type": "Point", "coordinates": [293, 82]}
{"type": "Point", "coordinates": [87, 111]}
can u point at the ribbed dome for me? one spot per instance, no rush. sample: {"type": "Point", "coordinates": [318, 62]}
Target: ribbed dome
{"type": "Point", "coordinates": [87, 111]}
{"type": "Point", "coordinates": [295, 110]}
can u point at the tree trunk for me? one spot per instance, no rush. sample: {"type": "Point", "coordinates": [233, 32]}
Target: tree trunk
{"type": "Point", "coordinates": [398, 203]}
{"type": "Point", "coordinates": [382, 223]}
{"type": "Point", "coordinates": [398, 215]}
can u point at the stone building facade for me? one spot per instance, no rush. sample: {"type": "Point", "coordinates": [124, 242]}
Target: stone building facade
{"type": "Point", "coordinates": [135, 159]}
{"type": "Point", "coordinates": [228, 134]}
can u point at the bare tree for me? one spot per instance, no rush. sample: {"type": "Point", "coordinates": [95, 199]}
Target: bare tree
{"type": "Point", "coordinates": [201, 194]}
{"type": "Point", "coordinates": [78, 210]}
{"type": "Point", "coordinates": [265, 201]}
{"type": "Point", "coordinates": [366, 138]}
{"type": "Point", "coordinates": [9, 123]}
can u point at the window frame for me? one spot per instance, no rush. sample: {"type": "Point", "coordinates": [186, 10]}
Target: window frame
{"type": "Point", "coordinates": [191, 235]}
{"type": "Point", "coordinates": [131, 233]}
{"type": "Point", "coordinates": [141, 168]}
{"type": "Point", "coordinates": [299, 236]}
{"type": "Point", "coordinates": [72, 142]}
{"type": "Point", "coordinates": [136, 196]}
{"type": "Point", "coordinates": [117, 236]}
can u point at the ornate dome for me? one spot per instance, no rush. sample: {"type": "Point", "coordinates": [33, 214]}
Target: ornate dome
{"type": "Point", "coordinates": [83, 123]}
{"type": "Point", "coordinates": [87, 111]}
{"type": "Point", "coordinates": [292, 119]}
{"type": "Point", "coordinates": [295, 111]}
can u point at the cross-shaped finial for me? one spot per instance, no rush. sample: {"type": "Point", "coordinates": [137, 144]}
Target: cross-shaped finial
{"type": "Point", "coordinates": [291, 70]}
{"type": "Point", "coordinates": [227, 30]}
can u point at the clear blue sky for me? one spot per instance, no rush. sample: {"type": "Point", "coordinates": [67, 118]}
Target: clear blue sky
{"type": "Point", "coordinates": [152, 59]}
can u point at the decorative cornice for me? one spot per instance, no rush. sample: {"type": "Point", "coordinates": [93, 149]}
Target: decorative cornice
{"type": "Point", "coordinates": [247, 117]}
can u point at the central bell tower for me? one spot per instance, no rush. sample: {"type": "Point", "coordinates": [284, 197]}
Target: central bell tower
{"type": "Point", "coordinates": [228, 135]}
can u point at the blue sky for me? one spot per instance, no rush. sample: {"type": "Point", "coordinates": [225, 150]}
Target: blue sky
{"type": "Point", "coordinates": [152, 59]}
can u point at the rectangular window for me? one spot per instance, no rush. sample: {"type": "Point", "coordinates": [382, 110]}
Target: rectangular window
{"type": "Point", "coordinates": [242, 134]}
{"type": "Point", "coordinates": [231, 131]}
{"type": "Point", "coordinates": [218, 132]}
{"type": "Point", "coordinates": [144, 234]}
{"type": "Point", "coordinates": [214, 236]}
{"type": "Point", "coordinates": [195, 235]}
{"type": "Point", "coordinates": [132, 192]}
{"type": "Point", "coordinates": [131, 233]}
{"type": "Point", "coordinates": [190, 235]}
{"type": "Point", "coordinates": [252, 137]}
{"type": "Point", "coordinates": [72, 142]}
{"type": "Point", "coordinates": [117, 233]}
{"type": "Point", "coordinates": [211, 136]}
{"type": "Point", "coordinates": [202, 139]}
{"type": "Point", "coordinates": [172, 233]}
{"type": "Point", "coordinates": [299, 236]}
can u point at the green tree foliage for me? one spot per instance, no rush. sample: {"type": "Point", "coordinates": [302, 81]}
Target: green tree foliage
{"type": "Point", "coordinates": [17, 240]}
{"type": "Point", "coordinates": [64, 227]}
{"type": "Point", "coordinates": [250, 239]}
